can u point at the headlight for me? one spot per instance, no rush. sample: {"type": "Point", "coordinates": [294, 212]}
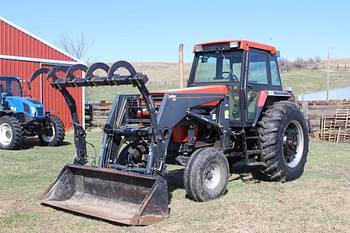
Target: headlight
{"type": "Point", "coordinates": [13, 109]}
{"type": "Point", "coordinates": [234, 44]}
{"type": "Point", "coordinates": [32, 109]}
{"type": "Point", "coordinates": [198, 48]}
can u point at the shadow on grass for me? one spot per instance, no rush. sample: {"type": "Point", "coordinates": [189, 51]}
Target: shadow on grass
{"type": "Point", "coordinates": [175, 178]}
{"type": "Point", "coordinates": [243, 172]}
{"type": "Point", "coordinates": [29, 143]}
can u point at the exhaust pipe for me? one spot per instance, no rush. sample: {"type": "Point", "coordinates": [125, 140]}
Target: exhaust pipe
{"type": "Point", "coordinates": [108, 194]}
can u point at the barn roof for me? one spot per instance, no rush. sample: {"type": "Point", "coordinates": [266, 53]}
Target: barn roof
{"type": "Point", "coordinates": [75, 60]}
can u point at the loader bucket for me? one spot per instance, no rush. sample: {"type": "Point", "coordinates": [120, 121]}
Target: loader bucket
{"type": "Point", "coordinates": [108, 194]}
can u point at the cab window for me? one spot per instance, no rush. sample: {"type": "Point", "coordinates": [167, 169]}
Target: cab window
{"type": "Point", "coordinates": [275, 75]}
{"type": "Point", "coordinates": [222, 66]}
{"type": "Point", "coordinates": [257, 70]}
{"type": "Point", "coordinates": [206, 68]}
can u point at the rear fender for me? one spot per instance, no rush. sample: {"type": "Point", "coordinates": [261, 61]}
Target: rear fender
{"type": "Point", "coordinates": [267, 98]}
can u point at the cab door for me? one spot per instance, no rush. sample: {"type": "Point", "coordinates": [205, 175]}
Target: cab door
{"type": "Point", "coordinates": [232, 70]}
{"type": "Point", "coordinates": [257, 79]}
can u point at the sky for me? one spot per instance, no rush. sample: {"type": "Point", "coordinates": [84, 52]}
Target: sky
{"type": "Point", "coordinates": [151, 30]}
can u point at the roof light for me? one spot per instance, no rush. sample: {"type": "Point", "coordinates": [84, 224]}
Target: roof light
{"type": "Point", "coordinates": [198, 48]}
{"type": "Point", "coordinates": [234, 44]}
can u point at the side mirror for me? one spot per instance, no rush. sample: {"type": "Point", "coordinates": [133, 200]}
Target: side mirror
{"type": "Point", "coordinates": [204, 59]}
{"type": "Point", "coordinates": [2, 99]}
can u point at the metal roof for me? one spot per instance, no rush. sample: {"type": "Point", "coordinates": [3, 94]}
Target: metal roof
{"type": "Point", "coordinates": [39, 39]}
{"type": "Point", "coordinates": [334, 94]}
{"type": "Point", "coordinates": [243, 44]}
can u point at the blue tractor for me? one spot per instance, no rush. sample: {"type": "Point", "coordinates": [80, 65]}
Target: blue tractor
{"type": "Point", "coordinates": [22, 117]}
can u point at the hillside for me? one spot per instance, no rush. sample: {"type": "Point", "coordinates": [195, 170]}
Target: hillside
{"type": "Point", "coordinates": [165, 75]}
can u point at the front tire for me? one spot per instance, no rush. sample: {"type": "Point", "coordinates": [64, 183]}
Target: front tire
{"type": "Point", "coordinates": [11, 133]}
{"type": "Point", "coordinates": [206, 174]}
{"type": "Point", "coordinates": [56, 134]}
{"type": "Point", "coordinates": [284, 140]}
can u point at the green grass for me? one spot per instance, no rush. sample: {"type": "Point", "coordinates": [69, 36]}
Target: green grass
{"type": "Point", "coordinates": [306, 81]}
{"type": "Point", "coordinates": [317, 202]}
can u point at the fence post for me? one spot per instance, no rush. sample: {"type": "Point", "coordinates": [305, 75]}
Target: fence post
{"type": "Point", "coordinates": [181, 65]}
{"type": "Point", "coordinates": [305, 107]}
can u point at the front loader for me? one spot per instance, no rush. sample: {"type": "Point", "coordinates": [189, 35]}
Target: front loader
{"type": "Point", "coordinates": [233, 111]}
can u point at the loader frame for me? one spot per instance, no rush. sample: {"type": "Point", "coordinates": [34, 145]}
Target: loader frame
{"type": "Point", "coordinates": [172, 110]}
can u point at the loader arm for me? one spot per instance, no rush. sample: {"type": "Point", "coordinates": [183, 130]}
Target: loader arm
{"type": "Point", "coordinates": [79, 132]}
{"type": "Point", "coordinates": [111, 79]}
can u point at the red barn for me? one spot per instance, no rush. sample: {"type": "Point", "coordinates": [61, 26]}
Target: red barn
{"type": "Point", "coordinates": [21, 53]}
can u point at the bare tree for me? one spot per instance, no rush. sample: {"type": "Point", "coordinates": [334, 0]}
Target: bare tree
{"type": "Point", "coordinates": [284, 64]}
{"type": "Point", "coordinates": [76, 47]}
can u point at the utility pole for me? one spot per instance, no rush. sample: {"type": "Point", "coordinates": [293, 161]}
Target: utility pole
{"type": "Point", "coordinates": [181, 65]}
{"type": "Point", "coordinates": [328, 70]}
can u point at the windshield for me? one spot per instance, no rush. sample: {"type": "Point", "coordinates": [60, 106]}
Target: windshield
{"type": "Point", "coordinates": [218, 67]}
{"type": "Point", "coordinates": [10, 86]}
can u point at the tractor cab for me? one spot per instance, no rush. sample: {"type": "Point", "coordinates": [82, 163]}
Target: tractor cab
{"type": "Point", "coordinates": [247, 69]}
{"type": "Point", "coordinates": [11, 86]}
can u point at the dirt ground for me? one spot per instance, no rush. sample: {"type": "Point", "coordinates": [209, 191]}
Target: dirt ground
{"type": "Point", "coordinates": [317, 202]}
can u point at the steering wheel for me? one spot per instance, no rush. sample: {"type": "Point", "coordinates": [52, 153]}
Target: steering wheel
{"type": "Point", "coordinates": [230, 76]}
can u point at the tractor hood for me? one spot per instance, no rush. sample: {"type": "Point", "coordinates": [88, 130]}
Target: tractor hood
{"type": "Point", "coordinates": [30, 107]}
{"type": "Point", "coordinates": [211, 89]}
{"type": "Point", "coordinates": [202, 91]}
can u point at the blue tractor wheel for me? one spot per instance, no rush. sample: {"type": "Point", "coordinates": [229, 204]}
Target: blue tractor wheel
{"type": "Point", "coordinates": [11, 133]}
{"type": "Point", "coordinates": [55, 135]}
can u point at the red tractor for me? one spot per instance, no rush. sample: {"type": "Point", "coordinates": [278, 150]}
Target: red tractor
{"type": "Point", "coordinates": [233, 110]}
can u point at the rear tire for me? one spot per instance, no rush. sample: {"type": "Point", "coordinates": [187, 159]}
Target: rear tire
{"type": "Point", "coordinates": [57, 136]}
{"type": "Point", "coordinates": [206, 174]}
{"type": "Point", "coordinates": [284, 140]}
{"type": "Point", "coordinates": [11, 133]}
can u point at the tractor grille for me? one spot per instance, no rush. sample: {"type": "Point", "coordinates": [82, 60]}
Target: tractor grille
{"type": "Point", "coordinates": [40, 111]}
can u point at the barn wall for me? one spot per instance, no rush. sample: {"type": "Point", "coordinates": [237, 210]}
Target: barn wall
{"type": "Point", "coordinates": [16, 43]}
{"type": "Point", "coordinates": [51, 98]}
{"type": "Point", "coordinates": [22, 70]}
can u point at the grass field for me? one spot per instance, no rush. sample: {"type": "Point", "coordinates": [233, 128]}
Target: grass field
{"type": "Point", "coordinates": [164, 76]}
{"type": "Point", "coordinates": [306, 81]}
{"type": "Point", "coordinates": [317, 202]}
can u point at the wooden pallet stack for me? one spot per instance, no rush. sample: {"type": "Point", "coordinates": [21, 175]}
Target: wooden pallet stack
{"type": "Point", "coordinates": [100, 112]}
{"type": "Point", "coordinates": [336, 128]}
